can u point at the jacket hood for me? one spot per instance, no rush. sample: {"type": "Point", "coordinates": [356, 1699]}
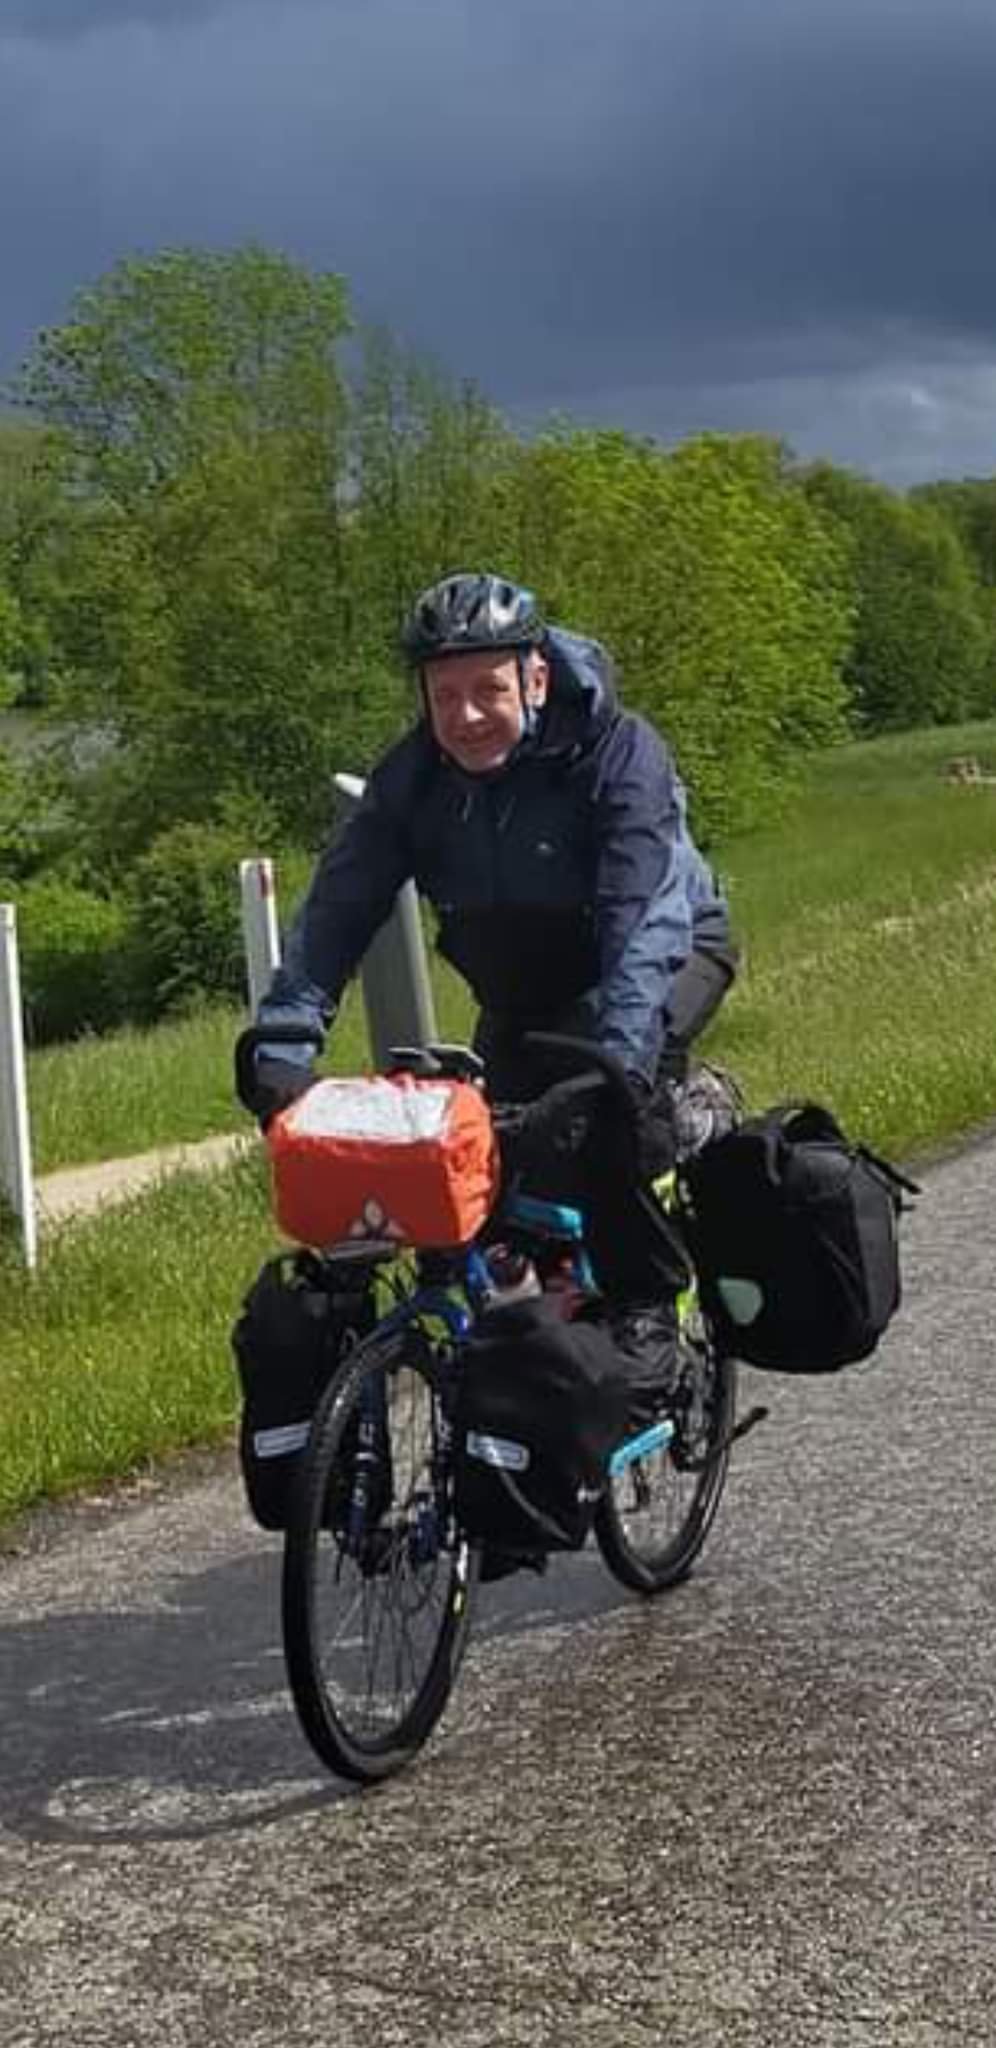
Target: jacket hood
{"type": "Point", "coordinates": [583, 697]}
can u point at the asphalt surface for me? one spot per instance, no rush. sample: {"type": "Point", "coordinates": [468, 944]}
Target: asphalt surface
{"type": "Point", "coordinates": [760, 1811]}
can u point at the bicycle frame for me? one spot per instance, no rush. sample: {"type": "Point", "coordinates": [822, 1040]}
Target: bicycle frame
{"type": "Point", "coordinates": [440, 1301]}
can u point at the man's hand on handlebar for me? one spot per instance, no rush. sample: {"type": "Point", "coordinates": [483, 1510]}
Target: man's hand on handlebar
{"type": "Point", "coordinates": [557, 1124]}
{"type": "Point", "coordinates": [265, 1083]}
{"type": "Point", "coordinates": [276, 1084]}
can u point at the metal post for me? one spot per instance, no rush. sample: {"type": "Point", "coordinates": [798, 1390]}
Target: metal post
{"type": "Point", "coordinates": [259, 927]}
{"type": "Point", "coordinates": [15, 1135]}
{"type": "Point", "coordinates": [397, 992]}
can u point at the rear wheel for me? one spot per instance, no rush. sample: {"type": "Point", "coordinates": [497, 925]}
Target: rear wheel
{"type": "Point", "coordinates": [377, 1582]}
{"type": "Point", "coordinates": [665, 1487]}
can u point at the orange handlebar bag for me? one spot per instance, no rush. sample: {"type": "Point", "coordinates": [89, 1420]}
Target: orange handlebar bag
{"type": "Point", "coordinates": [386, 1156]}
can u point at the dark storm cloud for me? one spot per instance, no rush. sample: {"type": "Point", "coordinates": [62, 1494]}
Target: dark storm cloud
{"type": "Point", "coordinates": [43, 20]}
{"type": "Point", "coordinates": [658, 204]}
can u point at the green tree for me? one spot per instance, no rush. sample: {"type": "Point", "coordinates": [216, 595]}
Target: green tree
{"type": "Point", "coordinates": [725, 596]}
{"type": "Point", "coordinates": [971, 508]}
{"type": "Point", "coordinates": [433, 473]}
{"type": "Point", "coordinates": [200, 420]}
{"type": "Point", "coordinates": [921, 653]}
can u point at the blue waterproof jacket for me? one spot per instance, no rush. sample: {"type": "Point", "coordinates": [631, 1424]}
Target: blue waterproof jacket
{"type": "Point", "coordinates": [566, 887]}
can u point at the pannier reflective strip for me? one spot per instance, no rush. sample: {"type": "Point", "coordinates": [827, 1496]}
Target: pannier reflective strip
{"type": "Point", "coordinates": [497, 1450]}
{"type": "Point", "coordinates": [276, 1443]}
{"type": "Point", "coordinates": [743, 1300]}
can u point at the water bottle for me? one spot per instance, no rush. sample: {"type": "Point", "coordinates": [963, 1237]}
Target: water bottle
{"type": "Point", "coordinates": [511, 1276]}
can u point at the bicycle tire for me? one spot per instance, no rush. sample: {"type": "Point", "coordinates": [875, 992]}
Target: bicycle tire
{"type": "Point", "coordinates": [355, 1734]}
{"type": "Point", "coordinates": [703, 1418]}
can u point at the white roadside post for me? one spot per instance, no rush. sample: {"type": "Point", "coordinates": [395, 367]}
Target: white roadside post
{"type": "Point", "coordinates": [15, 1135]}
{"type": "Point", "coordinates": [397, 992]}
{"type": "Point", "coordinates": [259, 927]}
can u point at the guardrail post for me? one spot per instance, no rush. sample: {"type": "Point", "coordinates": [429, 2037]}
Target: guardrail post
{"type": "Point", "coordinates": [397, 991]}
{"type": "Point", "coordinates": [15, 1133]}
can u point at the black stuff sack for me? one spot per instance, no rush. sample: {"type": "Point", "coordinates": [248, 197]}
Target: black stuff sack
{"type": "Point", "coordinates": [296, 1323]}
{"type": "Point", "coordinates": [795, 1235]}
{"type": "Point", "coordinates": [541, 1404]}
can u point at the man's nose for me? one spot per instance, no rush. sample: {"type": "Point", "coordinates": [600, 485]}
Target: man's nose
{"type": "Point", "coordinates": [471, 713]}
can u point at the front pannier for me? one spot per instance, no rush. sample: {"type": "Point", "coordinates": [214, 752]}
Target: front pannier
{"type": "Point", "coordinates": [294, 1327]}
{"type": "Point", "coordinates": [541, 1405]}
{"type": "Point", "coordinates": [795, 1235]}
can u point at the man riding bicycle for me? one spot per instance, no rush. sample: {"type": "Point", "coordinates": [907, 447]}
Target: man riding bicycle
{"type": "Point", "coordinates": [546, 826]}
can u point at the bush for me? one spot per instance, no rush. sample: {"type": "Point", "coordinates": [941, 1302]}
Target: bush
{"type": "Point", "coordinates": [70, 944]}
{"type": "Point", "coordinates": [185, 926]}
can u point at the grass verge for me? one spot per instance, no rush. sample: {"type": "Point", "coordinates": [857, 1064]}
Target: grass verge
{"type": "Point", "coordinates": [117, 1350]}
{"type": "Point", "coordinates": [869, 920]}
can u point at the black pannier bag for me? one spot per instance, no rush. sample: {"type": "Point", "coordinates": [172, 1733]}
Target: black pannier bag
{"type": "Point", "coordinates": [294, 1325]}
{"type": "Point", "coordinates": [795, 1235]}
{"type": "Point", "coordinates": [541, 1404]}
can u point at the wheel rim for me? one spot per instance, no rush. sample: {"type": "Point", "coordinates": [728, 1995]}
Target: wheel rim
{"type": "Point", "coordinates": [382, 1596]}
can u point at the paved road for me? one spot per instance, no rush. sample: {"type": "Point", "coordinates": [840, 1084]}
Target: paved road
{"type": "Point", "coordinates": [760, 1813]}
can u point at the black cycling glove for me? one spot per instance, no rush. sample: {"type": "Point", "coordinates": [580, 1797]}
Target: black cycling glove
{"type": "Point", "coordinates": [275, 1084]}
{"type": "Point", "coordinates": [653, 1134]}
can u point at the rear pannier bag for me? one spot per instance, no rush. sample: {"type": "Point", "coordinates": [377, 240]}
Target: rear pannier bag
{"type": "Point", "coordinates": [541, 1404]}
{"type": "Point", "coordinates": [392, 1157]}
{"type": "Point", "coordinates": [294, 1327]}
{"type": "Point", "coordinates": [795, 1235]}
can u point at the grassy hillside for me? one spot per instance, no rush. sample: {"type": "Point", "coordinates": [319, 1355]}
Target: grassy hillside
{"type": "Point", "coordinates": [869, 923]}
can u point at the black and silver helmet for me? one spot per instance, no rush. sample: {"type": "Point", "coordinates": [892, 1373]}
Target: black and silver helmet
{"type": "Point", "coordinates": [467, 612]}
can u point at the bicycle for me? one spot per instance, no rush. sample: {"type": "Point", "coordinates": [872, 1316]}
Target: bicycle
{"type": "Point", "coordinates": [378, 1576]}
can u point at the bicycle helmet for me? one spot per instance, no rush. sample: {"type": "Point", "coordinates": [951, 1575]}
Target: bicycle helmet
{"type": "Point", "coordinates": [466, 612]}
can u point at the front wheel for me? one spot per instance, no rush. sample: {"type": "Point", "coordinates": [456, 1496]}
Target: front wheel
{"type": "Point", "coordinates": [664, 1487]}
{"type": "Point", "coordinates": [377, 1581]}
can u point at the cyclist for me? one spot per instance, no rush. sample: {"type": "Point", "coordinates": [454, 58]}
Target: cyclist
{"type": "Point", "coordinates": [546, 826]}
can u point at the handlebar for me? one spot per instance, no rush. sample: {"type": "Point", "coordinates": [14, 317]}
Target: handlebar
{"type": "Point", "coordinates": [594, 1071]}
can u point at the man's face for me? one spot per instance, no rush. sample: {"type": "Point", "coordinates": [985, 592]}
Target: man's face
{"type": "Point", "coordinates": [475, 705]}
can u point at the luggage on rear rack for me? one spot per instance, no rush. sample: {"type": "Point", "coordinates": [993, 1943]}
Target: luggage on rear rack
{"type": "Point", "coordinates": [795, 1234]}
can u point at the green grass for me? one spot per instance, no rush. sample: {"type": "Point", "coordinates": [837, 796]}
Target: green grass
{"type": "Point", "coordinates": [117, 1349]}
{"type": "Point", "coordinates": [869, 922]}
{"type": "Point", "coordinates": [102, 1098]}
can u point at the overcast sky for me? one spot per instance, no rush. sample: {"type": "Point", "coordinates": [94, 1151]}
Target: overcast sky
{"type": "Point", "coordinates": [661, 214]}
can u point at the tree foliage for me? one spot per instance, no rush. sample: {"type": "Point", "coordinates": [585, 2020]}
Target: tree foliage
{"type": "Point", "coordinates": [724, 594]}
{"type": "Point", "coordinates": [921, 653]}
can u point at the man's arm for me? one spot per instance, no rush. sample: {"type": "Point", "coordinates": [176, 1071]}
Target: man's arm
{"type": "Point", "coordinates": [642, 902]}
{"type": "Point", "coordinates": [352, 892]}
